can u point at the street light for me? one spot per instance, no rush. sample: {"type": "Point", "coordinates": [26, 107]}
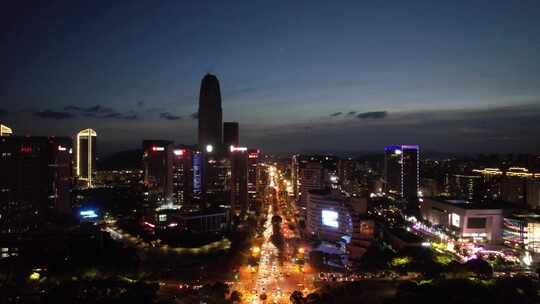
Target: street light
{"type": "Point", "coordinates": [209, 148]}
{"type": "Point", "coordinates": [255, 250]}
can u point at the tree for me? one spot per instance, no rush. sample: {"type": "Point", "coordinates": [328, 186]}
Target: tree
{"type": "Point", "coordinates": [276, 220]}
{"type": "Point", "coordinates": [236, 297]}
{"type": "Point", "coordinates": [313, 298]}
{"type": "Point", "coordinates": [479, 267]}
{"type": "Point", "coordinates": [215, 293]}
{"type": "Point", "coordinates": [297, 297]}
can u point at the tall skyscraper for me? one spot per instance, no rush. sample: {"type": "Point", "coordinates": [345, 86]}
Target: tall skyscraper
{"type": "Point", "coordinates": [5, 131]}
{"type": "Point", "coordinates": [231, 135]}
{"type": "Point", "coordinates": [210, 113]}
{"type": "Point", "coordinates": [158, 168]}
{"type": "Point", "coordinates": [401, 171]}
{"type": "Point", "coordinates": [35, 180]}
{"type": "Point", "coordinates": [85, 146]}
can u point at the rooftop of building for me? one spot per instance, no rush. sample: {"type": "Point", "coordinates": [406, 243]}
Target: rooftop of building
{"type": "Point", "coordinates": [466, 204]}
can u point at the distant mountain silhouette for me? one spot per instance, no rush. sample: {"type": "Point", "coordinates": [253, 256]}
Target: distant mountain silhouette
{"type": "Point", "coordinates": [123, 160]}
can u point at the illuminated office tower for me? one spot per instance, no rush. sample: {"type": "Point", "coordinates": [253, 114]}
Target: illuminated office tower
{"type": "Point", "coordinates": [86, 156]}
{"type": "Point", "coordinates": [5, 131]}
{"type": "Point", "coordinates": [239, 179]}
{"type": "Point", "coordinates": [216, 176]}
{"type": "Point", "coordinates": [254, 175]}
{"type": "Point", "coordinates": [210, 113]}
{"type": "Point", "coordinates": [35, 181]}
{"type": "Point", "coordinates": [182, 176]}
{"type": "Point", "coordinates": [401, 171]}
{"type": "Point", "coordinates": [158, 169]}
{"type": "Point", "coordinates": [231, 135]}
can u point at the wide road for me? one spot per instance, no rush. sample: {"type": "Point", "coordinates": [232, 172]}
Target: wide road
{"type": "Point", "coordinates": [272, 278]}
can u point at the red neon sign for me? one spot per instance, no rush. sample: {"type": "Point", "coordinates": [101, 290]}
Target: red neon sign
{"type": "Point", "coordinates": [26, 149]}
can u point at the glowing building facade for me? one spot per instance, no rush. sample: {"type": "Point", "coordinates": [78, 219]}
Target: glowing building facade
{"type": "Point", "coordinates": [254, 175]}
{"type": "Point", "coordinates": [85, 161]}
{"type": "Point", "coordinates": [474, 222]}
{"type": "Point", "coordinates": [522, 231]}
{"type": "Point", "coordinates": [5, 131]}
{"type": "Point", "coordinates": [182, 176]}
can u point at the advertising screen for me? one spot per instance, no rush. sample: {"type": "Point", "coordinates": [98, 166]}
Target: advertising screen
{"type": "Point", "coordinates": [330, 218]}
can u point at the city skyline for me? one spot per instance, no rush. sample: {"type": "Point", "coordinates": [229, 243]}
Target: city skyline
{"type": "Point", "coordinates": [456, 77]}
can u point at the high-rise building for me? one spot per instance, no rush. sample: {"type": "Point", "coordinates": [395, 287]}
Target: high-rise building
{"type": "Point", "coordinates": [310, 177]}
{"type": "Point", "coordinates": [401, 168]}
{"type": "Point", "coordinates": [182, 176]}
{"type": "Point", "coordinates": [158, 168]}
{"type": "Point", "coordinates": [231, 135]}
{"type": "Point", "coordinates": [85, 147]}
{"type": "Point", "coordinates": [346, 169]}
{"type": "Point", "coordinates": [515, 185]}
{"type": "Point", "coordinates": [312, 172]}
{"type": "Point", "coordinates": [253, 175]}
{"type": "Point", "coordinates": [210, 113]}
{"type": "Point", "coordinates": [197, 165]}
{"type": "Point", "coordinates": [5, 131]}
{"type": "Point", "coordinates": [328, 215]}
{"type": "Point", "coordinates": [35, 181]}
{"type": "Point", "coordinates": [239, 179]}
{"type": "Point", "coordinates": [467, 187]}
{"type": "Point", "coordinates": [216, 176]}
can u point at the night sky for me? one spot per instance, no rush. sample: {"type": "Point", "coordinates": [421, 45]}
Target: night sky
{"type": "Point", "coordinates": [452, 76]}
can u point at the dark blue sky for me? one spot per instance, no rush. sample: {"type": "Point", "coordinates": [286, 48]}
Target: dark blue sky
{"type": "Point", "coordinates": [331, 75]}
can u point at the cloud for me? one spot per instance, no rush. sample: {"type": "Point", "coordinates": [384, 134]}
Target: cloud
{"type": "Point", "coordinates": [49, 114]}
{"type": "Point", "coordinates": [98, 109]}
{"type": "Point", "coordinates": [372, 115]}
{"type": "Point", "coordinates": [130, 117]}
{"type": "Point", "coordinates": [140, 103]}
{"type": "Point", "coordinates": [93, 109]}
{"type": "Point", "coordinates": [351, 113]}
{"type": "Point", "coordinates": [169, 116]}
{"type": "Point", "coordinates": [194, 115]}
{"type": "Point", "coordinates": [113, 115]}
{"type": "Point", "coordinates": [72, 108]}
{"type": "Point", "coordinates": [117, 115]}
{"type": "Point", "coordinates": [336, 114]}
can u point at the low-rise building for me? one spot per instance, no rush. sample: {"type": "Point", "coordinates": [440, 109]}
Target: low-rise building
{"type": "Point", "coordinates": [473, 221]}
